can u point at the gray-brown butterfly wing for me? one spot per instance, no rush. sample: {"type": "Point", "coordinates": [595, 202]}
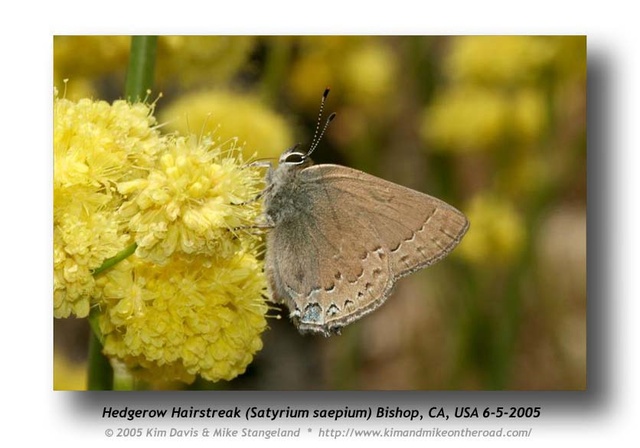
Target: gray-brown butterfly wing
{"type": "Point", "coordinates": [353, 235]}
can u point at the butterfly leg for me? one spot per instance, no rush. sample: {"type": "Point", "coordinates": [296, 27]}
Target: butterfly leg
{"type": "Point", "coordinates": [259, 164]}
{"type": "Point", "coordinates": [255, 198]}
{"type": "Point", "coordinates": [265, 223]}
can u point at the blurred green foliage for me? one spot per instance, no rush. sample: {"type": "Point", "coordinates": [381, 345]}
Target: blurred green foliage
{"type": "Point", "coordinates": [494, 125]}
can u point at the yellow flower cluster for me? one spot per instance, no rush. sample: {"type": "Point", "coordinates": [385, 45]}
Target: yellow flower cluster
{"type": "Point", "coordinates": [368, 76]}
{"type": "Point", "coordinates": [499, 59]}
{"type": "Point", "coordinates": [258, 130]}
{"type": "Point", "coordinates": [190, 300]}
{"type": "Point", "coordinates": [96, 145]}
{"type": "Point", "coordinates": [188, 201]}
{"type": "Point", "coordinates": [497, 233]}
{"type": "Point", "coordinates": [494, 93]}
{"type": "Point", "coordinates": [193, 315]}
{"type": "Point", "coordinates": [362, 67]}
{"type": "Point", "coordinates": [465, 118]}
{"type": "Point", "coordinates": [81, 244]}
{"type": "Point", "coordinates": [475, 118]}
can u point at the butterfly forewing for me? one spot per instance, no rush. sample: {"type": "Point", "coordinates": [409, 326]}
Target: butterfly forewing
{"type": "Point", "coordinates": [416, 229]}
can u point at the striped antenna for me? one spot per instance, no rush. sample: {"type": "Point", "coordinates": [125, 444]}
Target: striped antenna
{"type": "Point", "coordinates": [316, 137]}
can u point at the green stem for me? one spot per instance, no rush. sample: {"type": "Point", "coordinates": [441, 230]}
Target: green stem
{"type": "Point", "coordinates": [122, 378]}
{"type": "Point", "coordinates": [110, 262]}
{"type": "Point", "coordinates": [100, 375]}
{"type": "Point", "coordinates": [141, 67]}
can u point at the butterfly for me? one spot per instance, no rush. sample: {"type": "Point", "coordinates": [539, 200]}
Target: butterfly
{"type": "Point", "coordinates": [340, 238]}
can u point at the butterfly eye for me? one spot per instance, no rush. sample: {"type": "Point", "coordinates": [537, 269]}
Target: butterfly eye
{"type": "Point", "coordinates": [295, 158]}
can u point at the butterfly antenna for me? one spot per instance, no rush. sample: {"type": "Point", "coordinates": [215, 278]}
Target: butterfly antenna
{"type": "Point", "coordinates": [316, 137]}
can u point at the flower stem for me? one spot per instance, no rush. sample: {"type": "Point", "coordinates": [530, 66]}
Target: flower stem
{"type": "Point", "coordinates": [141, 67]}
{"type": "Point", "coordinates": [122, 378]}
{"type": "Point", "coordinates": [110, 262]}
{"type": "Point", "coordinates": [100, 375]}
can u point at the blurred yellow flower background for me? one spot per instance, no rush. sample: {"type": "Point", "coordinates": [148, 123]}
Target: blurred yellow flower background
{"type": "Point", "coordinates": [494, 125]}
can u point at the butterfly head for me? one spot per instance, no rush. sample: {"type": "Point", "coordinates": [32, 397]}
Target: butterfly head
{"type": "Point", "coordinates": [295, 158]}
